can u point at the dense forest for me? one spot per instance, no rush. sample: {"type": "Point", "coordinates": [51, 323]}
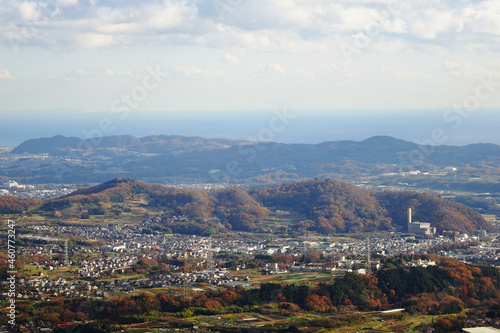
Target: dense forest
{"type": "Point", "coordinates": [320, 205]}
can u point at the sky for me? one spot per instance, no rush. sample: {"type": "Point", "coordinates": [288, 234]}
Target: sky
{"type": "Point", "coordinates": [184, 55]}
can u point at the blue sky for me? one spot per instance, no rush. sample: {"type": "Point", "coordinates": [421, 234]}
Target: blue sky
{"type": "Point", "coordinates": [247, 54]}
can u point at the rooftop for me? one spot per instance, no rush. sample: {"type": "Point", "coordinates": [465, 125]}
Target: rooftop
{"type": "Point", "coordinates": [481, 330]}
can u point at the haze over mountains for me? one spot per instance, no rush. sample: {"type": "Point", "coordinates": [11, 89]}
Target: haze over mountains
{"type": "Point", "coordinates": [160, 158]}
{"type": "Point", "coordinates": [154, 144]}
{"type": "Point", "coordinates": [303, 127]}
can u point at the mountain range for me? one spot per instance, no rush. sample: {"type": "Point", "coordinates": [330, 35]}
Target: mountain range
{"type": "Point", "coordinates": [164, 158]}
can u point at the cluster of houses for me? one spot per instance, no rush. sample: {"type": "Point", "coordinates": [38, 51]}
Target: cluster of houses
{"type": "Point", "coordinates": [486, 253]}
{"type": "Point", "coordinates": [419, 263]}
{"type": "Point", "coordinates": [96, 267]}
{"type": "Point", "coordinates": [214, 277]}
{"type": "Point", "coordinates": [94, 232]}
{"type": "Point", "coordinates": [43, 288]}
{"type": "Point", "coordinates": [133, 239]}
{"type": "Point", "coordinates": [482, 322]}
{"type": "Point", "coordinates": [130, 242]}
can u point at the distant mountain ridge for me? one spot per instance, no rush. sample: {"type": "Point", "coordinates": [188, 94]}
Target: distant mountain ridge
{"type": "Point", "coordinates": [377, 148]}
{"type": "Point", "coordinates": [165, 157]}
{"type": "Point", "coordinates": [59, 144]}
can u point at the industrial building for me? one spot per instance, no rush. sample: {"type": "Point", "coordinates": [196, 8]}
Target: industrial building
{"type": "Point", "coordinates": [419, 228]}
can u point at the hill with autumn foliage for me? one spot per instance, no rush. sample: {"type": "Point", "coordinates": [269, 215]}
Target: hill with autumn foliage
{"type": "Point", "coordinates": [451, 290]}
{"type": "Point", "coordinates": [181, 210]}
{"type": "Point", "coordinates": [327, 206]}
{"type": "Point", "coordinates": [323, 206]}
{"type": "Point", "coordinates": [443, 214]}
{"type": "Point", "coordinates": [330, 206]}
{"type": "Point", "coordinates": [15, 205]}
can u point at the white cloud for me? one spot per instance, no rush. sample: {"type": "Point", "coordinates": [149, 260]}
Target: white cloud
{"type": "Point", "coordinates": [170, 15]}
{"type": "Point", "coordinates": [109, 72]}
{"type": "Point", "coordinates": [464, 70]}
{"type": "Point", "coordinates": [304, 74]}
{"type": "Point", "coordinates": [72, 23]}
{"type": "Point", "coordinates": [196, 72]}
{"type": "Point", "coordinates": [393, 46]}
{"type": "Point", "coordinates": [275, 69]}
{"type": "Point", "coordinates": [483, 17]}
{"type": "Point", "coordinates": [49, 77]}
{"type": "Point", "coordinates": [293, 41]}
{"type": "Point", "coordinates": [271, 25]}
{"type": "Point", "coordinates": [92, 41]}
{"type": "Point", "coordinates": [67, 3]}
{"type": "Point", "coordinates": [5, 75]}
{"type": "Point", "coordinates": [392, 73]}
{"type": "Point", "coordinates": [357, 18]}
{"type": "Point", "coordinates": [232, 59]}
{"type": "Point", "coordinates": [432, 23]}
{"type": "Point", "coordinates": [120, 28]}
{"type": "Point", "coordinates": [29, 11]}
{"type": "Point", "coordinates": [397, 26]}
{"type": "Point", "coordinates": [192, 71]}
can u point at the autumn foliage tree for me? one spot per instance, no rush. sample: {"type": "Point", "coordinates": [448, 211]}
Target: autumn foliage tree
{"type": "Point", "coordinates": [318, 303]}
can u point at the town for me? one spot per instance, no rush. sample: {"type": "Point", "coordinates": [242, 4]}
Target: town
{"type": "Point", "coordinates": [118, 250]}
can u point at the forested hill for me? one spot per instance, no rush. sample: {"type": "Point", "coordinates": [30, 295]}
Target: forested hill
{"type": "Point", "coordinates": [154, 144]}
{"type": "Point", "coordinates": [443, 214]}
{"type": "Point", "coordinates": [15, 205]}
{"type": "Point", "coordinates": [324, 206]}
{"type": "Point", "coordinates": [327, 206]}
{"type": "Point", "coordinates": [335, 206]}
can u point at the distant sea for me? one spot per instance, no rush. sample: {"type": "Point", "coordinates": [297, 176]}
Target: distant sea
{"type": "Point", "coordinates": [291, 126]}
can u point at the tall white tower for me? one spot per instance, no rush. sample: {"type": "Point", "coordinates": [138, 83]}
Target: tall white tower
{"type": "Point", "coordinates": [210, 256]}
{"type": "Point", "coordinates": [66, 257]}
{"type": "Point", "coordinates": [368, 265]}
{"type": "Point", "coordinates": [409, 218]}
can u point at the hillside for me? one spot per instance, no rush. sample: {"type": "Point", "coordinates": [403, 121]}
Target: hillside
{"type": "Point", "coordinates": [183, 211]}
{"type": "Point", "coordinates": [324, 206]}
{"type": "Point", "coordinates": [334, 206]}
{"type": "Point", "coordinates": [443, 214]}
{"type": "Point", "coordinates": [327, 206]}
{"type": "Point", "coordinates": [154, 144]}
{"type": "Point", "coordinates": [15, 205]}
{"type": "Point", "coordinates": [54, 145]}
